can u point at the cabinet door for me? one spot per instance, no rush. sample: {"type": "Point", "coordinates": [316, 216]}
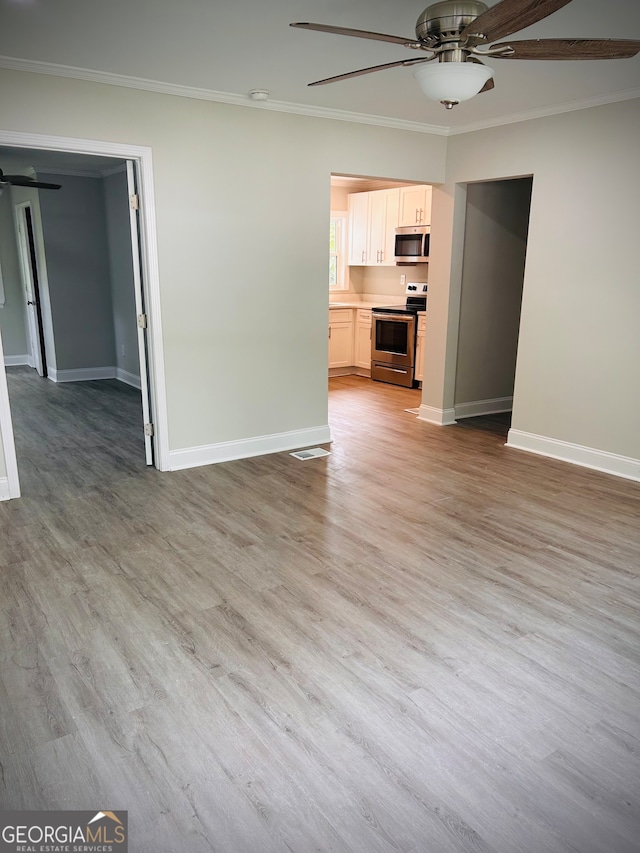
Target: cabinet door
{"type": "Point", "coordinates": [363, 340]}
{"type": "Point", "coordinates": [341, 338]}
{"type": "Point", "coordinates": [392, 213]}
{"type": "Point", "coordinates": [415, 205]}
{"type": "Point", "coordinates": [377, 221]}
{"type": "Point", "coordinates": [419, 370]}
{"type": "Point", "coordinates": [383, 220]}
{"type": "Point", "coordinates": [358, 229]}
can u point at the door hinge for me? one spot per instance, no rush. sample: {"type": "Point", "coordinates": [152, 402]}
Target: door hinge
{"type": "Point", "coordinates": [134, 201]}
{"type": "Point", "coordinates": [148, 429]}
{"type": "Point", "coordinates": [142, 321]}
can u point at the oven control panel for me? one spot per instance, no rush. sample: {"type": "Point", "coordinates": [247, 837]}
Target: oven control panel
{"type": "Point", "coordinates": [416, 288]}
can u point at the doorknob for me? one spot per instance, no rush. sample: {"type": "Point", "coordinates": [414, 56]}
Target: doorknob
{"type": "Point", "coordinates": [29, 302]}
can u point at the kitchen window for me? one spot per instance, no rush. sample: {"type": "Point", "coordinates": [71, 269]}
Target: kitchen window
{"type": "Point", "coordinates": [337, 251]}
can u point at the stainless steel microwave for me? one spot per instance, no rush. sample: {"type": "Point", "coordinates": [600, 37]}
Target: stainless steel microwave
{"type": "Point", "coordinates": [412, 244]}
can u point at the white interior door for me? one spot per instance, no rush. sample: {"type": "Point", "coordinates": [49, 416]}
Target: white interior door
{"type": "Point", "coordinates": [29, 272]}
{"type": "Point", "coordinates": [140, 311]}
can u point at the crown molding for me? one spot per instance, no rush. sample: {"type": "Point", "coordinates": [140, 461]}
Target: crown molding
{"type": "Point", "coordinates": [14, 64]}
{"type": "Point", "coordinates": [53, 69]}
{"type": "Point", "coordinates": [557, 109]}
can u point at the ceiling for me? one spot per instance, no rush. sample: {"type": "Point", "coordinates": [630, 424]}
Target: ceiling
{"type": "Point", "coordinates": [229, 48]}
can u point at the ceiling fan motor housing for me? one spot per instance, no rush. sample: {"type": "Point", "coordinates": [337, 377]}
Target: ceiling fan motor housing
{"type": "Point", "coordinates": [448, 19]}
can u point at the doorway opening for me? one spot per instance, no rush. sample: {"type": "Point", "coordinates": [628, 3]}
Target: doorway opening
{"type": "Point", "coordinates": [493, 266]}
{"type": "Point", "coordinates": [366, 215]}
{"type": "Point", "coordinates": [50, 326]}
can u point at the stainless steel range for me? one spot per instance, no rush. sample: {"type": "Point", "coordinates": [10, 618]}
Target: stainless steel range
{"type": "Point", "coordinates": [393, 337]}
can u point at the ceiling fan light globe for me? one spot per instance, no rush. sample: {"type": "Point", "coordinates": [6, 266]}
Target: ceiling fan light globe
{"type": "Point", "coordinates": [452, 82]}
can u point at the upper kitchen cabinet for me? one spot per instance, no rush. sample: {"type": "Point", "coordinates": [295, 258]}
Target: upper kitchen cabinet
{"type": "Point", "coordinates": [383, 221]}
{"type": "Point", "coordinates": [415, 205]}
{"type": "Point", "coordinates": [373, 219]}
{"type": "Point", "coordinates": [358, 229]}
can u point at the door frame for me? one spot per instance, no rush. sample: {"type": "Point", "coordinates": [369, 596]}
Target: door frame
{"type": "Point", "coordinates": [31, 285]}
{"type": "Point", "coordinates": [143, 158]}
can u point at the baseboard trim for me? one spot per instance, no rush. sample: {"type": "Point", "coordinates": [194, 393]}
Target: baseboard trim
{"type": "Point", "coordinates": [576, 454]}
{"type": "Point", "coordinates": [226, 451]}
{"type": "Point", "coordinates": [441, 417]}
{"type": "Point", "coordinates": [483, 407]}
{"type": "Point", "coordinates": [17, 360]}
{"type": "Point", "coordinates": [81, 374]}
{"type": "Point", "coordinates": [5, 491]}
{"type": "Point", "coordinates": [128, 378]}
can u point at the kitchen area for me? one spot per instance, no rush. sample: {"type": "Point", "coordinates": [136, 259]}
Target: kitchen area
{"type": "Point", "coordinates": [379, 262]}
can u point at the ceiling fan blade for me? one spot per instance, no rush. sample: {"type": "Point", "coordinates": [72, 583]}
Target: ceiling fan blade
{"type": "Point", "coordinates": [570, 49]}
{"type": "Point", "coordinates": [488, 86]}
{"type": "Point", "coordinates": [510, 16]}
{"type": "Point", "coordinates": [362, 71]}
{"type": "Point", "coordinates": [25, 181]}
{"type": "Point", "coordinates": [362, 34]}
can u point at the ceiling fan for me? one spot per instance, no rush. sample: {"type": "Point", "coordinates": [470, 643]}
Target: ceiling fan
{"type": "Point", "coordinates": [25, 181]}
{"type": "Point", "coordinates": [460, 33]}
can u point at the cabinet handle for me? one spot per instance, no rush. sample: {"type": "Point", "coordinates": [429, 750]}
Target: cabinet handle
{"type": "Point", "coordinates": [417, 215]}
{"type": "Point", "coordinates": [381, 255]}
{"type": "Point", "coordinates": [421, 214]}
{"type": "Point", "coordinates": [329, 331]}
{"type": "Point", "coordinates": [363, 251]}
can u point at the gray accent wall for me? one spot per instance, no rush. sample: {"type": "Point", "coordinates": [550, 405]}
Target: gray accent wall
{"type": "Point", "coordinates": [76, 248]}
{"type": "Point", "coordinates": [125, 330]}
{"type": "Point", "coordinates": [12, 313]}
{"type": "Point", "coordinates": [495, 243]}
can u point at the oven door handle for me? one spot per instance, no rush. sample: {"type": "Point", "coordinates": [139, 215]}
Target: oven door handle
{"type": "Point", "coordinates": [407, 318]}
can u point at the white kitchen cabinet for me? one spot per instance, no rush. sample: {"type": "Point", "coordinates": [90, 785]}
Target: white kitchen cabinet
{"type": "Point", "coordinates": [358, 229]}
{"type": "Point", "coordinates": [373, 219]}
{"type": "Point", "coordinates": [362, 339]}
{"type": "Point", "coordinates": [422, 325]}
{"type": "Point", "coordinates": [415, 205]}
{"type": "Point", "coordinates": [341, 337]}
{"type": "Point", "coordinates": [383, 220]}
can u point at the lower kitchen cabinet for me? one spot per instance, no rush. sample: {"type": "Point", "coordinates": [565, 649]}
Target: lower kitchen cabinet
{"type": "Point", "coordinates": [350, 341]}
{"type": "Point", "coordinates": [422, 325]}
{"type": "Point", "coordinates": [362, 339]}
{"type": "Point", "coordinates": [341, 337]}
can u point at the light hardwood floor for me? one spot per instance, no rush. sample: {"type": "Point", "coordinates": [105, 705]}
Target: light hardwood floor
{"type": "Point", "coordinates": [424, 642]}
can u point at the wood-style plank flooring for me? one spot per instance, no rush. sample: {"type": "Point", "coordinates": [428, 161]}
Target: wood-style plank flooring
{"type": "Point", "coordinates": [422, 643]}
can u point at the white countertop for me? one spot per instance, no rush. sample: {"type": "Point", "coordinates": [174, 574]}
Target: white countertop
{"type": "Point", "coordinates": [364, 305]}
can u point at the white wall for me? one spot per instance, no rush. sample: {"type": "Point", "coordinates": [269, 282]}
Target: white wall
{"type": "Point", "coordinates": [245, 345]}
{"type": "Point", "coordinates": [245, 349]}
{"type": "Point", "coordinates": [579, 349]}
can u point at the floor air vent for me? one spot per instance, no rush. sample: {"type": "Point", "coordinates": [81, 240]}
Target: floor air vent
{"type": "Point", "coordinates": [313, 453]}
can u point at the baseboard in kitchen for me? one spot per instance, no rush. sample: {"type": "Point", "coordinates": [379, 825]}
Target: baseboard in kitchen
{"type": "Point", "coordinates": [576, 454]}
{"type": "Point", "coordinates": [226, 451]}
